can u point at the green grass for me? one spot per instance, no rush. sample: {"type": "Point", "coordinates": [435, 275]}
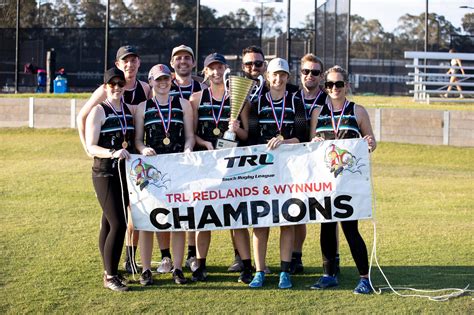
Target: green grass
{"type": "Point", "coordinates": [50, 222]}
{"type": "Point", "coordinates": [367, 101]}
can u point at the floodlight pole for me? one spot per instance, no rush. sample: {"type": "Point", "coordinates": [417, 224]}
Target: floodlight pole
{"type": "Point", "coordinates": [315, 26]}
{"type": "Point", "coordinates": [288, 35]}
{"type": "Point", "coordinates": [17, 43]}
{"type": "Point", "coordinates": [106, 44]}
{"type": "Point", "coordinates": [196, 49]}
{"type": "Point", "coordinates": [426, 27]}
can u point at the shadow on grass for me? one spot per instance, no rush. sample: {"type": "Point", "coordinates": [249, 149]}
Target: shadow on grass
{"type": "Point", "coordinates": [418, 277]}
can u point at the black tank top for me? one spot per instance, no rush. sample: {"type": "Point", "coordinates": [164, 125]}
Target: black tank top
{"type": "Point", "coordinates": [111, 137]}
{"type": "Point", "coordinates": [184, 91]}
{"type": "Point", "coordinates": [266, 117]}
{"type": "Point", "coordinates": [348, 128]}
{"type": "Point", "coordinates": [206, 123]}
{"type": "Point", "coordinates": [135, 96]}
{"type": "Point", "coordinates": [311, 104]}
{"type": "Point", "coordinates": [155, 131]}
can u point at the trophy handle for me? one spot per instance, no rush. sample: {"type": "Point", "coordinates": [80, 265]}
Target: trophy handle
{"type": "Point", "coordinates": [259, 86]}
{"type": "Point", "coordinates": [226, 81]}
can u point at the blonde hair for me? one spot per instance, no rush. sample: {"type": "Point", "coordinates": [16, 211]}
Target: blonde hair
{"type": "Point", "coordinates": [337, 69]}
{"type": "Point", "coordinates": [312, 58]}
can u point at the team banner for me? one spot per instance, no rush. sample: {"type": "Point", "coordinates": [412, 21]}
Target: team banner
{"type": "Point", "coordinates": [251, 186]}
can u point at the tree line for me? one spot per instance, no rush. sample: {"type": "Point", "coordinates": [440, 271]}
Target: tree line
{"type": "Point", "coordinates": [368, 37]}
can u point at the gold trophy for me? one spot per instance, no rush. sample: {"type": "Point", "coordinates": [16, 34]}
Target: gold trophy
{"type": "Point", "coordinates": [239, 90]}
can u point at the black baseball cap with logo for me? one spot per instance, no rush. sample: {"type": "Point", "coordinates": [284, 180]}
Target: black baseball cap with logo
{"type": "Point", "coordinates": [113, 73]}
{"type": "Point", "coordinates": [125, 51]}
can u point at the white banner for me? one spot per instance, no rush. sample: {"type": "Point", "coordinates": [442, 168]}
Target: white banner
{"type": "Point", "coordinates": [251, 186]}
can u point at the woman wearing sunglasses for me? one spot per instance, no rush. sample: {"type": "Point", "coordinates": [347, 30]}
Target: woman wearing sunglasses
{"type": "Point", "coordinates": [164, 124]}
{"type": "Point", "coordinates": [341, 119]}
{"type": "Point", "coordinates": [109, 134]}
{"type": "Point", "coordinates": [280, 120]}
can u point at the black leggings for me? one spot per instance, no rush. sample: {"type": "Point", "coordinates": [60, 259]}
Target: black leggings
{"type": "Point", "coordinates": [113, 227]}
{"type": "Point", "coordinates": [356, 243]}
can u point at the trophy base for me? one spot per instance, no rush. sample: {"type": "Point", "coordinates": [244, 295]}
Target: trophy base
{"type": "Point", "coordinates": [225, 144]}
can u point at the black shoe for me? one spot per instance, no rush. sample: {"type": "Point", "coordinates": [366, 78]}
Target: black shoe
{"type": "Point", "coordinates": [237, 265]}
{"type": "Point", "coordinates": [178, 277]}
{"type": "Point", "coordinates": [296, 267]}
{"type": "Point", "coordinates": [146, 277]}
{"type": "Point", "coordinates": [115, 284]}
{"type": "Point", "coordinates": [199, 275]}
{"type": "Point", "coordinates": [245, 276]}
{"type": "Point", "coordinates": [121, 278]}
{"type": "Point", "coordinates": [130, 268]}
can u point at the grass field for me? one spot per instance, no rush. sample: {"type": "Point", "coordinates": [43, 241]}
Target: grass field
{"type": "Point", "coordinates": [379, 101]}
{"type": "Point", "coordinates": [50, 259]}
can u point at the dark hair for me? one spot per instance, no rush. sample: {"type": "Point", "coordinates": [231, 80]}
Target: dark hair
{"type": "Point", "coordinates": [253, 49]}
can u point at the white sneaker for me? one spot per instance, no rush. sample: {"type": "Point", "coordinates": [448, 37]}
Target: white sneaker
{"type": "Point", "coordinates": [165, 266]}
{"type": "Point", "coordinates": [192, 264]}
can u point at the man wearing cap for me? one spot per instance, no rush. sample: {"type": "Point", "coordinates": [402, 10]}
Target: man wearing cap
{"type": "Point", "coordinates": [183, 85]}
{"type": "Point", "coordinates": [136, 91]}
{"type": "Point", "coordinates": [211, 108]}
{"type": "Point", "coordinates": [182, 61]}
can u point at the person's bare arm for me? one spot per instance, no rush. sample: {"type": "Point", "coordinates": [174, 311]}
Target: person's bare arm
{"type": "Point", "coordinates": [363, 121]}
{"type": "Point", "coordinates": [96, 98]}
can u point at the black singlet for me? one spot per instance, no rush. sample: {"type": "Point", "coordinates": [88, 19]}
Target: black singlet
{"type": "Point", "coordinates": [111, 137]}
{"type": "Point", "coordinates": [154, 131]}
{"type": "Point", "coordinates": [349, 128]}
{"type": "Point", "coordinates": [206, 123]}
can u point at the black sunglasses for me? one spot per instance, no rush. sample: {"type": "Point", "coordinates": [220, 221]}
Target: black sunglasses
{"type": "Point", "coordinates": [119, 83]}
{"type": "Point", "coordinates": [314, 72]}
{"type": "Point", "coordinates": [338, 84]}
{"type": "Point", "coordinates": [256, 63]}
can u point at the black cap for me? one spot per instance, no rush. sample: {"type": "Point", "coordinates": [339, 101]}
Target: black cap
{"type": "Point", "coordinates": [112, 73]}
{"type": "Point", "coordinates": [125, 51]}
{"type": "Point", "coordinates": [215, 57]}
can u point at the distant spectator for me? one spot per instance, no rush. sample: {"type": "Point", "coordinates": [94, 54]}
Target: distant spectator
{"type": "Point", "coordinates": [41, 81]}
{"type": "Point", "coordinates": [455, 63]}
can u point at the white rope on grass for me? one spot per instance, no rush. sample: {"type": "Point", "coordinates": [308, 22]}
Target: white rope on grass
{"type": "Point", "coordinates": [439, 298]}
{"type": "Point", "coordinates": [132, 254]}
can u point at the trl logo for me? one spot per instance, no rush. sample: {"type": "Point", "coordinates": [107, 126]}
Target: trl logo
{"type": "Point", "coordinates": [263, 159]}
{"type": "Point", "coordinates": [250, 163]}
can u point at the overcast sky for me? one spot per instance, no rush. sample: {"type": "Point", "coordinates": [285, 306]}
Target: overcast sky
{"type": "Point", "coordinates": [386, 11]}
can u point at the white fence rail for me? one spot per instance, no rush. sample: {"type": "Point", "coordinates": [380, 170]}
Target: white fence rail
{"type": "Point", "coordinates": [431, 86]}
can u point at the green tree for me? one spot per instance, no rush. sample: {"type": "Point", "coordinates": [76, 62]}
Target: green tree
{"type": "Point", "coordinates": [92, 13]}
{"type": "Point", "coordinates": [468, 23]}
{"type": "Point", "coordinates": [411, 31]}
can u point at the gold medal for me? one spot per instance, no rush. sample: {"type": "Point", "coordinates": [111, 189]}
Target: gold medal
{"type": "Point", "coordinates": [166, 141]}
{"type": "Point", "coordinates": [125, 144]}
{"type": "Point", "coordinates": [280, 137]}
{"type": "Point", "coordinates": [216, 131]}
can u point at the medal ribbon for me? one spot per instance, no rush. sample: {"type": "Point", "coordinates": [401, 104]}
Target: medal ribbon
{"type": "Point", "coordinates": [278, 123]}
{"type": "Point", "coordinates": [335, 127]}
{"type": "Point", "coordinates": [166, 124]}
{"type": "Point", "coordinates": [216, 120]}
{"type": "Point", "coordinates": [123, 126]}
{"type": "Point", "coordinates": [312, 105]}
{"type": "Point", "coordinates": [179, 87]}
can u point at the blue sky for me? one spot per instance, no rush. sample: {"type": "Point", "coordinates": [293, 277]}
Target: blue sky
{"type": "Point", "coordinates": [386, 11]}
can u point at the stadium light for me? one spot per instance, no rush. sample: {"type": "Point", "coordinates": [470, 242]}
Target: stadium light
{"type": "Point", "coordinates": [261, 14]}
